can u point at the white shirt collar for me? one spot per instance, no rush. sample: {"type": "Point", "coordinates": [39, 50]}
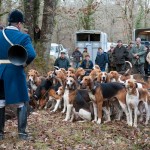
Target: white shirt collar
{"type": "Point", "coordinates": [12, 28]}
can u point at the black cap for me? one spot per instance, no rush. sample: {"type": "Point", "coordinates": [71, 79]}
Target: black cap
{"type": "Point", "coordinates": [119, 41]}
{"type": "Point", "coordinates": [63, 52]}
{"type": "Point", "coordinates": [16, 16]}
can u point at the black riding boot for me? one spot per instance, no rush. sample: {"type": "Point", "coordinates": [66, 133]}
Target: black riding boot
{"type": "Point", "coordinates": [2, 122]}
{"type": "Point", "coordinates": [22, 122]}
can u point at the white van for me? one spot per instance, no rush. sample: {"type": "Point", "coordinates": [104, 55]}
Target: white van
{"type": "Point", "coordinates": [56, 49]}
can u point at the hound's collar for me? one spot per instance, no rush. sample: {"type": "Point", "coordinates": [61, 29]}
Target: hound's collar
{"type": "Point", "coordinates": [94, 87]}
{"type": "Point", "coordinates": [12, 28]}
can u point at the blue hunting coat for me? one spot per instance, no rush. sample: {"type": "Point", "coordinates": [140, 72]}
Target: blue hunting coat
{"type": "Point", "coordinates": [14, 77]}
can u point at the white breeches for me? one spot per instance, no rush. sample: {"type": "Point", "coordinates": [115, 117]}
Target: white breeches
{"type": "Point", "coordinates": [2, 104]}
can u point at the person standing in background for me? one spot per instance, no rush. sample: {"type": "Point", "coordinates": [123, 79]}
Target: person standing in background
{"type": "Point", "coordinates": [76, 57]}
{"type": "Point", "coordinates": [147, 61]}
{"type": "Point", "coordinates": [138, 60]}
{"type": "Point", "coordinates": [62, 61]}
{"type": "Point", "coordinates": [87, 64]}
{"type": "Point", "coordinates": [101, 59]}
{"type": "Point", "coordinates": [120, 54]}
{"type": "Point", "coordinates": [85, 52]}
{"type": "Point", "coordinates": [111, 64]}
{"type": "Point", "coordinates": [37, 33]}
{"type": "Point", "coordinates": [129, 50]}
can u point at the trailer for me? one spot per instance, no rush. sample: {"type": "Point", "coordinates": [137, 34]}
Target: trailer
{"type": "Point", "coordinates": [144, 34]}
{"type": "Point", "coordinates": [92, 39]}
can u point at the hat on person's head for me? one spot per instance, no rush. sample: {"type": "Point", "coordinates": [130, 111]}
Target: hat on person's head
{"type": "Point", "coordinates": [119, 41]}
{"type": "Point", "coordinates": [16, 16]}
{"type": "Point", "coordinates": [63, 52]}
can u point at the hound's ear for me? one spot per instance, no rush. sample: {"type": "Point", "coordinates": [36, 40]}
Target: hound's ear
{"type": "Point", "coordinates": [91, 84]}
{"type": "Point", "coordinates": [74, 77]}
{"type": "Point", "coordinates": [136, 85]}
{"type": "Point", "coordinates": [95, 78]}
{"type": "Point", "coordinates": [74, 86]}
{"type": "Point", "coordinates": [36, 73]}
{"type": "Point", "coordinates": [107, 78]}
{"type": "Point", "coordinates": [98, 78]}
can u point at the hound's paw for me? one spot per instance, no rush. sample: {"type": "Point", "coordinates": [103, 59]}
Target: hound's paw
{"type": "Point", "coordinates": [130, 124]}
{"type": "Point", "coordinates": [146, 123]}
{"type": "Point", "coordinates": [63, 111]}
{"type": "Point", "coordinates": [99, 121]}
{"type": "Point", "coordinates": [94, 121]}
{"type": "Point", "coordinates": [135, 125]}
{"type": "Point", "coordinates": [53, 111]}
{"type": "Point", "coordinates": [65, 120]}
{"type": "Point", "coordinates": [118, 119]}
{"type": "Point", "coordinates": [107, 121]}
{"type": "Point", "coordinates": [45, 108]}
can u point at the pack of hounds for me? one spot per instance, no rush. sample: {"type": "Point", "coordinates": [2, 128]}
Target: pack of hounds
{"type": "Point", "coordinates": [95, 97]}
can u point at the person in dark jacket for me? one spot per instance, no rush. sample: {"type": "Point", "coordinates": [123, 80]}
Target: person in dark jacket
{"type": "Point", "coordinates": [101, 59]}
{"type": "Point", "coordinates": [14, 77]}
{"type": "Point", "coordinates": [120, 54]}
{"type": "Point", "coordinates": [146, 65]}
{"type": "Point", "coordinates": [62, 61]}
{"type": "Point", "coordinates": [111, 63]}
{"type": "Point", "coordinates": [77, 55]}
{"type": "Point", "coordinates": [37, 33]}
{"type": "Point", "coordinates": [87, 64]}
{"type": "Point", "coordinates": [129, 50]}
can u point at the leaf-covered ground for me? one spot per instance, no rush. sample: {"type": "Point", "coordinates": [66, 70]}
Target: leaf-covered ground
{"type": "Point", "coordinates": [49, 132]}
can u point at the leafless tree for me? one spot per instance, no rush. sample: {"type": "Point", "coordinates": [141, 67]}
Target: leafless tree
{"type": "Point", "coordinates": [48, 24]}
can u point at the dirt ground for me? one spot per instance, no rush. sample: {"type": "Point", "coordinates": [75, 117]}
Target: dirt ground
{"type": "Point", "coordinates": [48, 132]}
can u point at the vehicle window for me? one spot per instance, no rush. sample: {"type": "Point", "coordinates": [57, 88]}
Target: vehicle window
{"type": "Point", "coordinates": [61, 47]}
{"type": "Point", "coordinates": [94, 37]}
{"type": "Point", "coordinates": [82, 36]}
{"type": "Point", "coordinates": [53, 48]}
{"type": "Point", "coordinates": [57, 49]}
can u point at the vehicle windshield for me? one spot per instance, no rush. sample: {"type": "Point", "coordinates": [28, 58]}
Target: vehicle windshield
{"type": "Point", "coordinates": [53, 48]}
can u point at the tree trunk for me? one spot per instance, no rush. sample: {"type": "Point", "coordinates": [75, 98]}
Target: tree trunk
{"type": "Point", "coordinates": [48, 23]}
{"type": "Point", "coordinates": [29, 11]}
{"type": "Point", "coordinates": [36, 12]}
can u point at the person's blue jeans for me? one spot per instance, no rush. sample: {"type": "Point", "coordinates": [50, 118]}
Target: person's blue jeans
{"type": "Point", "coordinates": [76, 64]}
{"type": "Point", "coordinates": [102, 68]}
